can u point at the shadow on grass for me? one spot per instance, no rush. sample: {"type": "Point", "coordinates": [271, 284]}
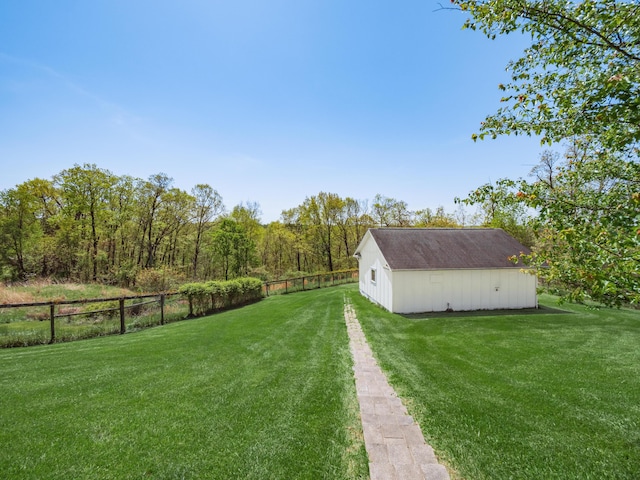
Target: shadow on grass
{"type": "Point", "coordinates": [541, 310]}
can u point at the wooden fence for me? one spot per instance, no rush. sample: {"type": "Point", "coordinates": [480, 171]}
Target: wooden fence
{"type": "Point", "coordinates": [309, 282]}
{"type": "Point", "coordinates": [121, 308]}
{"type": "Point", "coordinates": [55, 310]}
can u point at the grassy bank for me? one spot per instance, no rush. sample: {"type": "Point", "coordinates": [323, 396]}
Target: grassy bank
{"type": "Point", "coordinates": [549, 394]}
{"type": "Point", "coordinates": [265, 391]}
{"type": "Point", "coordinates": [45, 291]}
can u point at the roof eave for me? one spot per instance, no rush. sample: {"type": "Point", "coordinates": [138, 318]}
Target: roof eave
{"type": "Point", "coordinates": [458, 268]}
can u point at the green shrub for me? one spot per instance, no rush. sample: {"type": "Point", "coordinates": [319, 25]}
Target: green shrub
{"type": "Point", "coordinates": [250, 289]}
{"type": "Point", "coordinates": [217, 295]}
{"type": "Point", "coordinates": [198, 296]}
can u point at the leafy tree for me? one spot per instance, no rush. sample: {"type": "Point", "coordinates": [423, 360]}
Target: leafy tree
{"type": "Point", "coordinates": [247, 215]}
{"type": "Point", "coordinates": [437, 219]}
{"type": "Point", "coordinates": [85, 192]}
{"type": "Point", "coordinates": [321, 213]}
{"type": "Point", "coordinates": [360, 219]}
{"type": "Point", "coordinates": [352, 220]}
{"type": "Point", "coordinates": [173, 220]}
{"type": "Point", "coordinates": [293, 219]}
{"type": "Point", "coordinates": [589, 226]}
{"type": "Point", "coordinates": [580, 75]}
{"type": "Point", "coordinates": [208, 205]}
{"type": "Point", "coordinates": [579, 80]}
{"type": "Point", "coordinates": [19, 229]}
{"type": "Point", "coordinates": [122, 228]}
{"type": "Point", "coordinates": [150, 198]}
{"type": "Point", "coordinates": [278, 251]}
{"type": "Point", "coordinates": [500, 207]}
{"type": "Point", "coordinates": [232, 247]}
{"type": "Point", "coordinates": [27, 229]}
{"type": "Point", "coordinates": [389, 212]}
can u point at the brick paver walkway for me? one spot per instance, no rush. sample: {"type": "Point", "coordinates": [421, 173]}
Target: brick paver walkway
{"type": "Point", "coordinates": [394, 442]}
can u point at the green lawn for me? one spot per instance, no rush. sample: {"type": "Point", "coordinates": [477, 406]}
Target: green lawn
{"type": "Point", "coordinates": [548, 395]}
{"type": "Point", "coordinates": [265, 391]}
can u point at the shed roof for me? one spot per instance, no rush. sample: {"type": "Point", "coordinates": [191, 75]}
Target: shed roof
{"type": "Point", "coordinates": [446, 248]}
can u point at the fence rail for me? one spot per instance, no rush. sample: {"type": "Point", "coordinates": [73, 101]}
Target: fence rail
{"type": "Point", "coordinates": [55, 310]}
{"type": "Point", "coordinates": [160, 299]}
{"type": "Point", "coordinates": [81, 301]}
{"type": "Point", "coordinates": [309, 282]}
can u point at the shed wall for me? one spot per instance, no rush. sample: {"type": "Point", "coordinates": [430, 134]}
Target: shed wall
{"type": "Point", "coordinates": [436, 290]}
{"type": "Point", "coordinates": [378, 291]}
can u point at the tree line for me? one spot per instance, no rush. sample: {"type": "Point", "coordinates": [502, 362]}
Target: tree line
{"type": "Point", "coordinates": [88, 224]}
{"type": "Point", "coordinates": [577, 84]}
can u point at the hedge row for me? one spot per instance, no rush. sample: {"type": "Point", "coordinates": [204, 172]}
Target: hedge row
{"type": "Point", "coordinates": [207, 297]}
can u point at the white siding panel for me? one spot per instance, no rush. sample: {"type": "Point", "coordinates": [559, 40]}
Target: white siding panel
{"type": "Point", "coordinates": [432, 291]}
{"type": "Point", "coordinates": [380, 290]}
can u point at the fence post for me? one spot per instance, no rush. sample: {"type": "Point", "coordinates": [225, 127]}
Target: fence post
{"type": "Point", "coordinates": [162, 309]}
{"type": "Point", "coordinates": [123, 328]}
{"type": "Point", "coordinates": [303, 283]}
{"type": "Point", "coordinates": [286, 286]}
{"type": "Point", "coordinates": [52, 315]}
{"type": "Point", "coordinates": [319, 285]}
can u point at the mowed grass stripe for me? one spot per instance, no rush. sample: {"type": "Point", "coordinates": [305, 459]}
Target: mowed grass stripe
{"type": "Point", "coordinates": [266, 391]}
{"type": "Point", "coordinates": [550, 395]}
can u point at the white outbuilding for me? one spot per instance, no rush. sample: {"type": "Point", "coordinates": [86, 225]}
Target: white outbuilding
{"type": "Point", "coordinates": [413, 270]}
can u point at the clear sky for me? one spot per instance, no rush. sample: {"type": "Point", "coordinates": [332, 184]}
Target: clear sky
{"type": "Point", "coordinates": [268, 101]}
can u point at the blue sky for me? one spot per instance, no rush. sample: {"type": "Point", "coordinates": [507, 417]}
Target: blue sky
{"type": "Point", "coordinates": [266, 101]}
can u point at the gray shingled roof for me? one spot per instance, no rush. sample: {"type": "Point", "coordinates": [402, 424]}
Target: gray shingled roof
{"type": "Point", "coordinates": [446, 248]}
